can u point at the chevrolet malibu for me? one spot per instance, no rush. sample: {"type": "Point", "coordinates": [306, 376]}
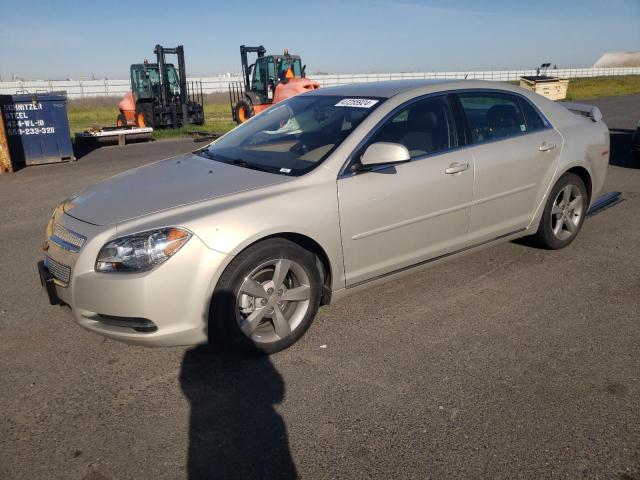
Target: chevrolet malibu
{"type": "Point", "coordinates": [322, 195]}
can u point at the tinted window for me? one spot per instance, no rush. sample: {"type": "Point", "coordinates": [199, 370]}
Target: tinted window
{"type": "Point", "coordinates": [531, 116]}
{"type": "Point", "coordinates": [492, 116]}
{"type": "Point", "coordinates": [423, 127]}
{"type": "Point", "coordinates": [272, 70]}
{"type": "Point", "coordinates": [259, 75]}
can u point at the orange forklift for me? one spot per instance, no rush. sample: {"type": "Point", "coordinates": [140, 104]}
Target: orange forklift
{"type": "Point", "coordinates": [160, 96]}
{"type": "Point", "coordinates": [271, 79]}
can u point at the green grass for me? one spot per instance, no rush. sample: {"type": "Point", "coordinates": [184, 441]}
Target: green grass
{"type": "Point", "coordinates": [101, 112]}
{"type": "Point", "coordinates": [217, 119]}
{"type": "Point", "coordinates": [584, 88]}
{"type": "Point", "coordinates": [84, 117]}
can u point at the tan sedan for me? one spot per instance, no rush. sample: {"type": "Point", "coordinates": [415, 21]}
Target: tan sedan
{"type": "Point", "coordinates": [324, 194]}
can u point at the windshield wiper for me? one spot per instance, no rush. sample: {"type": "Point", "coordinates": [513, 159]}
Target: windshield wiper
{"type": "Point", "coordinates": [207, 154]}
{"type": "Point", "coordinates": [241, 163]}
{"type": "Point", "coordinates": [253, 166]}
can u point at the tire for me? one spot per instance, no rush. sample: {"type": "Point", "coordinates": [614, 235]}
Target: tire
{"type": "Point", "coordinates": [200, 119]}
{"type": "Point", "coordinates": [251, 323]}
{"type": "Point", "coordinates": [550, 234]}
{"type": "Point", "coordinates": [144, 115]}
{"type": "Point", "coordinates": [121, 121]}
{"type": "Point", "coordinates": [243, 111]}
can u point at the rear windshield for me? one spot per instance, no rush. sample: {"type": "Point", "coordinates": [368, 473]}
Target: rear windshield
{"type": "Point", "coordinates": [295, 135]}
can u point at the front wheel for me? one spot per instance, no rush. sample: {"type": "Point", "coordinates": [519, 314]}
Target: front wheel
{"type": "Point", "coordinates": [242, 111]}
{"type": "Point", "coordinates": [267, 297]}
{"type": "Point", "coordinates": [121, 121]}
{"type": "Point", "coordinates": [564, 213]}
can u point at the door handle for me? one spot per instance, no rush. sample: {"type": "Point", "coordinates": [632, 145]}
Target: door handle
{"type": "Point", "coordinates": [547, 147]}
{"type": "Point", "coordinates": [456, 168]}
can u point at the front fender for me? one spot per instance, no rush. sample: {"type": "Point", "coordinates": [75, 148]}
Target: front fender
{"type": "Point", "coordinates": [306, 206]}
{"type": "Point", "coordinates": [311, 212]}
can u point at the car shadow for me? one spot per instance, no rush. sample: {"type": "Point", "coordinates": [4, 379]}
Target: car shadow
{"type": "Point", "coordinates": [235, 431]}
{"type": "Point", "coordinates": [620, 149]}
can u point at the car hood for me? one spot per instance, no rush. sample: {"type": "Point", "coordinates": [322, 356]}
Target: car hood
{"type": "Point", "coordinates": [162, 186]}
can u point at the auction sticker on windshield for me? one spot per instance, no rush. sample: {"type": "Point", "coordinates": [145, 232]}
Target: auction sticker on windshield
{"type": "Point", "coordinates": [357, 102]}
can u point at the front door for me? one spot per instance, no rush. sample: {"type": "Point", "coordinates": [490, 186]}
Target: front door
{"type": "Point", "coordinates": [395, 217]}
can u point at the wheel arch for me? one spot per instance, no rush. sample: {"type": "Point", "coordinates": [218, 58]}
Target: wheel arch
{"type": "Point", "coordinates": [575, 168]}
{"type": "Point", "coordinates": [306, 242]}
{"type": "Point", "coordinates": [585, 176]}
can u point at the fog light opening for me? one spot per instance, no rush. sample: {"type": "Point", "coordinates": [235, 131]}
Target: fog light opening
{"type": "Point", "coordinates": [141, 325]}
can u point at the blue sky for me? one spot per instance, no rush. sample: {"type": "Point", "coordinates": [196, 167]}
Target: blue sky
{"type": "Point", "coordinates": [68, 38]}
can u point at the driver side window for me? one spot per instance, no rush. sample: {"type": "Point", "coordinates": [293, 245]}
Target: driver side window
{"type": "Point", "coordinates": [424, 127]}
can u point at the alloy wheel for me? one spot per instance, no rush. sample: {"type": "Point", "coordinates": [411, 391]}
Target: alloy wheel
{"type": "Point", "coordinates": [567, 212]}
{"type": "Point", "coordinates": [273, 300]}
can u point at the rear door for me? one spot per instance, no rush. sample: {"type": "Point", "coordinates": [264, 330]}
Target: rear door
{"type": "Point", "coordinates": [397, 216]}
{"type": "Point", "coordinates": [515, 153]}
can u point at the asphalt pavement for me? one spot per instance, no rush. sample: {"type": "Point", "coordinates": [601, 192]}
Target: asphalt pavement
{"type": "Point", "coordinates": [511, 363]}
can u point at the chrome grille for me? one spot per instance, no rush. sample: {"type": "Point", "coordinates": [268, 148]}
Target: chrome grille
{"type": "Point", "coordinates": [66, 238]}
{"type": "Point", "coordinates": [59, 271]}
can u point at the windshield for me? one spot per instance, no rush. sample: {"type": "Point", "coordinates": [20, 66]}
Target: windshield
{"type": "Point", "coordinates": [295, 135]}
{"type": "Point", "coordinates": [293, 64]}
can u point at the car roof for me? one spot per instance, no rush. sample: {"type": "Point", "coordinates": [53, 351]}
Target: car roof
{"type": "Point", "coordinates": [390, 88]}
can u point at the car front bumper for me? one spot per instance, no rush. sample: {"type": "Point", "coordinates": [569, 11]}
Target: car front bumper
{"type": "Point", "coordinates": [165, 306]}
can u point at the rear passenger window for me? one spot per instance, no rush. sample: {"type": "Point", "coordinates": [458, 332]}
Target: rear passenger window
{"type": "Point", "coordinates": [492, 116]}
{"type": "Point", "coordinates": [424, 127]}
{"type": "Point", "coordinates": [532, 117]}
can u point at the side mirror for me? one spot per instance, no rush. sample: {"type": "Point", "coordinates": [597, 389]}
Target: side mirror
{"type": "Point", "coordinates": [384, 152]}
{"type": "Point", "coordinates": [304, 71]}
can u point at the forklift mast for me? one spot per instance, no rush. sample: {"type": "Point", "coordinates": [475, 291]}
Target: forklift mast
{"type": "Point", "coordinates": [165, 91]}
{"type": "Point", "coordinates": [160, 94]}
{"type": "Point", "coordinates": [245, 63]}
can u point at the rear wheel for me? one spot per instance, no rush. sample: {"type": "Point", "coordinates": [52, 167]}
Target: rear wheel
{"type": "Point", "coordinates": [243, 111]}
{"type": "Point", "coordinates": [564, 213]}
{"type": "Point", "coordinates": [121, 121]}
{"type": "Point", "coordinates": [199, 118]}
{"type": "Point", "coordinates": [144, 115]}
{"type": "Point", "coordinates": [267, 297]}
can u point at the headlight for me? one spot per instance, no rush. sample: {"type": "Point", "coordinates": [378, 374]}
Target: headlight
{"type": "Point", "coordinates": [49, 231]}
{"type": "Point", "coordinates": [55, 212]}
{"type": "Point", "coordinates": [142, 251]}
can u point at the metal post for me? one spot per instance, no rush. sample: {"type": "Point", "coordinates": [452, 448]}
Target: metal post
{"type": "Point", "coordinates": [183, 84]}
{"type": "Point", "coordinates": [5, 157]}
{"type": "Point", "coordinates": [164, 78]}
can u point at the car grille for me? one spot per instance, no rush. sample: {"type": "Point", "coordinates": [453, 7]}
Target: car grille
{"type": "Point", "coordinates": [59, 271]}
{"type": "Point", "coordinates": [67, 239]}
